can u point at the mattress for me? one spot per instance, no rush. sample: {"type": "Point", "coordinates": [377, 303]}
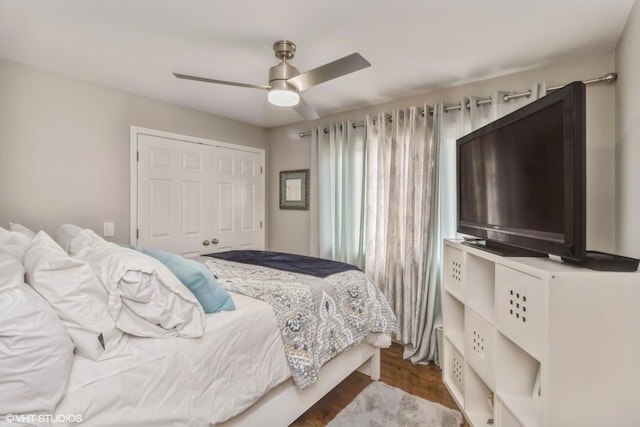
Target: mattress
{"type": "Point", "coordinates": [183, 382]}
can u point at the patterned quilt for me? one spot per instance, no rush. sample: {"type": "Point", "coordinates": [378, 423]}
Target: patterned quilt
{"type": "Point", "coordinates": [318, 318]}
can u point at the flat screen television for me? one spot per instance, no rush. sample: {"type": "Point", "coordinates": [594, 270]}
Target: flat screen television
{"type": "Point", "coordinates": [521, 179]}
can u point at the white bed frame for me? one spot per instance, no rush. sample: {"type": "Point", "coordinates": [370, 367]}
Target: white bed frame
{"type": "Point", "coordinates": [285, 403]}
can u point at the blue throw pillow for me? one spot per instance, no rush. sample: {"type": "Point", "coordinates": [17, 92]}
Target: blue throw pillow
{"type": "Point", "coordinates": [198, 279]}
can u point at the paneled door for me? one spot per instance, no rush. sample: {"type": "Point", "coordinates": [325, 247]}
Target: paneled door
{"type": "Point", "coordinates": [196, 198]}
{"type": "Point", "coordinates": [173, 194]}
{"type": "Point", "coordinates": [237, 199]}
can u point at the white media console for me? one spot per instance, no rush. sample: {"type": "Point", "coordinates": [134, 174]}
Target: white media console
{"type": "Point", "coordinates": [534, 342]}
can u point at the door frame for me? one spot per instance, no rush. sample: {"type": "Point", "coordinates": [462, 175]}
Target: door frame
{"type": "Point", "coordinates": [133, 159]}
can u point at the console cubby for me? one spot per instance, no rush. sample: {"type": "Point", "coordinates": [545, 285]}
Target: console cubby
{"type": "Point", "coordinates": [480, 285]}
{"type": "Point", "coordinates": [518, 381]}
{"type": "Point", "coordinates": [535, 342]}
{"type": "Point", "coordinates": [521, 307]}
{"type": "Point", "coordinates": [453, 273]}
{"type": "Point", "coordinates": [454, 371]}
{"type": "Point", "coordinates": [453, 315]}
{"type": "Point", "coordinates": [478, 399]}
{"type": "Point", "coordinates": [479, 345]}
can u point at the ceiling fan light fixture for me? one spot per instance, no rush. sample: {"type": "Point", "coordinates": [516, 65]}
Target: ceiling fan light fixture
{"type": "Point", "coordinates": [283, 97]}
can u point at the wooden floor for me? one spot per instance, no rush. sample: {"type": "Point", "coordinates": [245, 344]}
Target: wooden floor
{"type": "Point", "coordinates": [419, 380]}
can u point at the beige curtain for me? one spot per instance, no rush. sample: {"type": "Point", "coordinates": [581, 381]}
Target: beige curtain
{"type": "Point", "coordinates": [399, 191]}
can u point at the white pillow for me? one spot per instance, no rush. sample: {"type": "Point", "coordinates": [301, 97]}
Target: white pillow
{"type": "Point", "coordinates": [36, 353]}
{"type": "Point", "coordinates": [66, 233]}
{"type": "Point", "coordinates": [11, 270]}
{"type": "Point", "coordinates": [11, 250]}
{"type": "Point", "coordinates": [76, 295]}
{"type": "Point", "coordinates": [17, 228]}
{"type": "Point", "coordinates": [145, 298]}
{"type": "Point", "coordinates": [13, 243]}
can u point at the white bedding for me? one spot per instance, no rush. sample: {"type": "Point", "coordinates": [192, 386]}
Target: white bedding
{"type": "Point", "coordinates": [191, 382]}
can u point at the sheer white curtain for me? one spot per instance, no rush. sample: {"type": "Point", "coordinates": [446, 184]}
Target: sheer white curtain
{"type": "Point", "coordinates": [401, 184]}
{"type": "Point", "coordinates": [337, 193]}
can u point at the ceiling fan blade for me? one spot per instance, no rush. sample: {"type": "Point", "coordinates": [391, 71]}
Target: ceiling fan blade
{"type": "Point", "coordinates": [329, 71]}
{"type": "Point", "coordinates": [305, 110]}
{"type": "Point", "coordinates": [222, 82]}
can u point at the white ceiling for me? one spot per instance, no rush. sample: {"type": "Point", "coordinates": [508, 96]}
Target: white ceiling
{"type": "Point", "coordinates": [414, 46]}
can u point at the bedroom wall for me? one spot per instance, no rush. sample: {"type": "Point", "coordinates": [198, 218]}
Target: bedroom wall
{"type": "Point", "coordinates": [628, 137]}
{"type": "Point", "coordinates": [64, 147]}
{"type": "Point", "coordinates": [289, 230]}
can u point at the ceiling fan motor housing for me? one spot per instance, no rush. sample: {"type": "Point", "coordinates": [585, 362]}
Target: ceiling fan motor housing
{"type": "Point", "coordinates": [279, 74]}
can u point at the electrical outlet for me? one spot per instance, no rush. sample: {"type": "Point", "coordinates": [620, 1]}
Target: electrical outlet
{"type": "Point", "coordinates": [108, 229]}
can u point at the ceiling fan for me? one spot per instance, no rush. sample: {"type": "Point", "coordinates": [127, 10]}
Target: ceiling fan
{"type": "Point", "coordinates": [286, 82]}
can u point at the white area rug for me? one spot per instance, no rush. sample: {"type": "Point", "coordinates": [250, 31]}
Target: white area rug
{"type": "Point", "coordinates": [382, 405]}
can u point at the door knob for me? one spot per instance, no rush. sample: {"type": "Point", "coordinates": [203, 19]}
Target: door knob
{"type": "Point", "coordinates": [215, 241]}
{"type": "Point", "coordinates": [205, 242]}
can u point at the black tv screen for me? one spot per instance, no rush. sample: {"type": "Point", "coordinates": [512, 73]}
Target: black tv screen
{"type": "Point", "coordinates": [521, 178]}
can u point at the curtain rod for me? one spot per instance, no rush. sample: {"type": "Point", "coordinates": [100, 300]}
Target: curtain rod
{"type": "Point", "coordinates": [608, 78]}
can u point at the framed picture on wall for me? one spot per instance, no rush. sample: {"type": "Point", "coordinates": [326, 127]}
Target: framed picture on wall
{"type": "Point", "coordinates": [294, 189]}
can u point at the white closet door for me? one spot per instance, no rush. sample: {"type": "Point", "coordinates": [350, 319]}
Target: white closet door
{"type": "Point", "coordinates": [194, 197]}
{"type": "Point", "coordinates": [174, 185]}
{"type": "Point", "coordinates": [238, 200]}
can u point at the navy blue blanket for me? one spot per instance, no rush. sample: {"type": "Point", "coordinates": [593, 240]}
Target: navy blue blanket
{"type": "Point", "coordinates": [317, 267]}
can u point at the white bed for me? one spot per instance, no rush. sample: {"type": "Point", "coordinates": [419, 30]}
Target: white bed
{"type": "Point", "coordinates": [196, 382]}
{"type": "Point", "coordinates": [237, 373]}
{"type": "Point", "coordinates": [180, 380]}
